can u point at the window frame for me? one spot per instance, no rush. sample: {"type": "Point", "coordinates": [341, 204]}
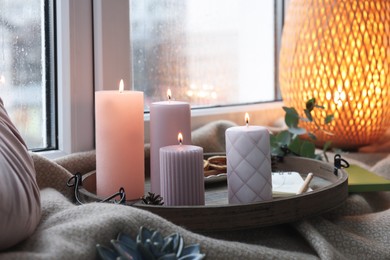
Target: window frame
{"type": "Point", "coordinates": [86, 62]}
{"type": "Point", "coordinates": [49, 70]}
{"type": "Point", "coordinates": [75, 79]}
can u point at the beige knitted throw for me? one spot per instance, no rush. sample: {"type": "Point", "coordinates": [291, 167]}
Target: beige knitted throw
{"type": "Point", "coordinates": [359, 229]}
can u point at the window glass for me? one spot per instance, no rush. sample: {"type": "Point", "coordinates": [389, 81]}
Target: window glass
{"type": "Point", "coordinates": [21, 68]}
{"type": "Point", "coordinates": [209, 53]}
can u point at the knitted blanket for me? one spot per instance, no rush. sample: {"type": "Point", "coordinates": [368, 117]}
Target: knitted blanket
{"type": "Point", "coordinates": [359, 229]}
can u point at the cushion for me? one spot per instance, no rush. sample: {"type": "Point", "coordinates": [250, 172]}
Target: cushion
{"type": "Point", "coordinates": [20, 208]}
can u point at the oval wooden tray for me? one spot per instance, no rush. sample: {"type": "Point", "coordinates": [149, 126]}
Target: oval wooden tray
{"type": "Point", "coordinates": [328, 192]}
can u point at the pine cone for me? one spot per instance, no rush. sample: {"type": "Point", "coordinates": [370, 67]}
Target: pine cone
{"type": "Point", "coordinates": [152, 199]}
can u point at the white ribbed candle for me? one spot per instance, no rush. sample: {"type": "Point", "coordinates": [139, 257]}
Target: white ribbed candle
{"type": "Point", "coordinates": [248, 164]}
{"type": "Point", "coordinates": [181, 172]}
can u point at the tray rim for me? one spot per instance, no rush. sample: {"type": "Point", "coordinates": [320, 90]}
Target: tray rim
{"type": "Point", "coordinates": [259, 214]}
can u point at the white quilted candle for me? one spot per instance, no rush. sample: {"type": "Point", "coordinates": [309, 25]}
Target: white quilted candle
{"type": "Point", "coordinates": [182, 180]}
{"type": "Point", "coordinates": [248, 164]}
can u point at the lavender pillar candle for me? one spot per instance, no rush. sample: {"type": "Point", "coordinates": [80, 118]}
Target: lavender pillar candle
{"type": "Point", "coordinates": [248, 164]}
{"type": "Point", "coordinates": [182, 180]}
{"type": "Point", "coordinates": [166, 119]}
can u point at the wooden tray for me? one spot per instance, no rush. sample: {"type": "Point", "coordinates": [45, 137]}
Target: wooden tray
{"type": "Point", "coordinates": [328, 192]}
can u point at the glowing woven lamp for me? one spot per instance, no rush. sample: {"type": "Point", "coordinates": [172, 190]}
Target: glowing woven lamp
{"type": "Point", "coordinates": [339, 53]}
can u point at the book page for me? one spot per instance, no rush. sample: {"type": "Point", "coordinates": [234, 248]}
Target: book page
{"type": "Point", "coordinates": [286, 183]}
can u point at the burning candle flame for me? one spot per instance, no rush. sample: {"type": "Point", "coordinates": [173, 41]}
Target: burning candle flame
{"type": "Point", "coordinates": [169, 94]}
{"type": "Point", "coordinates": [247, 119]}
{"type": "Point", "coordinates": [180, 138]}
{"type": "Point", "coordinates": [121, 86]}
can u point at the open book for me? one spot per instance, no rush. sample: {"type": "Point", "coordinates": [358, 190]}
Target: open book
{"type": "Point", "coordinates": [286, 184]}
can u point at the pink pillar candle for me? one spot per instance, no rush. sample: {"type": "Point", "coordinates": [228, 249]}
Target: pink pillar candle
{"type": "Point", "coordinates": [182, 181]}
{"type": "Point", "coordinates": [248, 164]}
{"type": "Point", "coordinates": [120, 143]}
{"type": "Point", "coordinates": [166, 118]}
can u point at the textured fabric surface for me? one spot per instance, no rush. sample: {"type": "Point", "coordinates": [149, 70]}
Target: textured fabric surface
{"type": "Point", "coordinates": [359, 229]}
{"type": "Point", "coordinates": [212, 136]}
{"type": "Point", "coordinates": [19, 192]}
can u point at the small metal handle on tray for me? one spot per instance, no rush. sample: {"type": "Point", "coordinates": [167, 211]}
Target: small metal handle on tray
{"type": "Point", "coordinates": [339, 163]}
{"type": "Point", "coordinates": [76, 181]}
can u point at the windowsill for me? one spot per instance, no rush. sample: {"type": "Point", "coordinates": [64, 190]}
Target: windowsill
{"type": "Point", "coordinates": [265, 114]}
{"type": "Point", "coordinates": [52, 154]}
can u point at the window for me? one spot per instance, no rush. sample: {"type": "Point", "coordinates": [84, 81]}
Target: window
{"type": "Point", "coordinates": [25, 74]}
{"type": "Point", "coordinates": [92, 44]}
{"type": "Point", "coordinates": [209, 53]}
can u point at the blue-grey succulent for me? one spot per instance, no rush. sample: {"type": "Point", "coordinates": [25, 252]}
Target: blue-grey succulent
{"type": "Point", "coordinates": [149, 245]}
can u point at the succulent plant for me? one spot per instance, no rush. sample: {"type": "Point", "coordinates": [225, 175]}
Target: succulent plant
{"type": "Point", "coordinates": [152, 199]}
{"type": "Point", "coordinates": [149, 245]}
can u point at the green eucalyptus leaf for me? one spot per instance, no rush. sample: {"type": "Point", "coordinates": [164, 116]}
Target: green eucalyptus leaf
{"type": "Point", "coordinates": [273, 141]}
{"type": "Point", "coordinates": [291, 142]}
{"type": "Point", "coordinates": [310, 104]}
{"type": "Point", "coordinates": [327, 146]}
{"type": "Point", "coordinates": [297, 130]}
{"type": "Point", "coordinates": [308, 149]}
{"type": "Point", "coordinates": [291, 120]}
{"type": "Point", "coordinates": [284, 137]}
{"type": "Point", "coordinates": [290, 110]}
{"type": "Point", "coordinates": [295, 146]}
{"type": "Point", "coordinates": [291, 117]}
{"type": "Point", "coordinates": [277, 151]}
{"type": "Point", "coordinates": [275, 146]}
{"type": "Point", "coordinates": [329, 119]}
{"type": "Point", "coordinates": [277, 142]}
{"type": "Point", "coordinates": [318, 106]}
{"type": "Point", "coordinates": [308, 115]}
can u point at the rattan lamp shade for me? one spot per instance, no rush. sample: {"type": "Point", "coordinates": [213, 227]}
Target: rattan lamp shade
{"type": "Point", "coordinates": [338, 51]}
